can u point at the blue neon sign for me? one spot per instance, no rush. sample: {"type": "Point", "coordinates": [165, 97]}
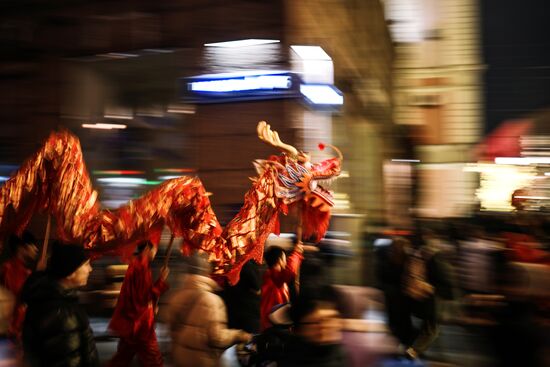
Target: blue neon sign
{"type": "Point", "coordinates": [248, 85]}
{"type": "Point", "coordinates": [259, 85]}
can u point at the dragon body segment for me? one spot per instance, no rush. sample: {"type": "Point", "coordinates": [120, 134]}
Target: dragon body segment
{"type": "Point", "coordinates": [55, 180]}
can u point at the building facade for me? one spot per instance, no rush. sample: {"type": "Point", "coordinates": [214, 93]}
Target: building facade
{"type": "Point", "coordinates": [438, 96]}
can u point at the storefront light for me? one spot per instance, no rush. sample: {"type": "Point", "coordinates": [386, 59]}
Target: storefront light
{"type": "Point", "coordinates": [164, 178]}
{"type": "Point", "coordinates": [242, 43]}
{"type": "Point", "coordinates": [104, 126]}
{"type": "Point", "coordinates": [322, 94]}
{"type": "Point", "coordinates": [117, 172]}
{"type": "Point", "coordinates": [118, 117]}
{"type": "Point", "coordinates": [406, 160]}
{"type": "Point", "coordinates": [311, 53]}
{"type": "Point", "coordinates": [522, 161]}
{"type": "Point", "coordinates": [122, 181]}
{"type": "Point", "coordinates": [246, 83]}
{"type": "Point", "coordinates": [175, 170]}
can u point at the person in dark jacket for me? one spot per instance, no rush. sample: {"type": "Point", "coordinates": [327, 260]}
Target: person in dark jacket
{"type": "Point", "coordinates": [243, 299]}
{"type": "Point", "coordinates": [316, 337]}
{"type": "Point", "coordinates": [56, 330]}
{"type": "Point", "coordinates": [413, 279]}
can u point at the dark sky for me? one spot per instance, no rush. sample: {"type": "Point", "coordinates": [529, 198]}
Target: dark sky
{"type": "Point", "coordinates": [516, 50]}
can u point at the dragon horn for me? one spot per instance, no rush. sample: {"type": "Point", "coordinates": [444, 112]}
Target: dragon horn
{"type": "Point", "coordinates": [338, 151]}
{"type": "Point", "coordinates": [271, 137]}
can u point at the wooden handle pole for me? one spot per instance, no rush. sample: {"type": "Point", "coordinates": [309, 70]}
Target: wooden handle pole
{"type": "Point", "coordinates": [299, 230]}
{"type": "Point", "coordinates": [165, 266]}
{"type": "Point", "coordinates": [169, 251]}
{"type": "Point", "coordinates": [299, 227]}
{"type": "Point", "coordinates": [44, 253]}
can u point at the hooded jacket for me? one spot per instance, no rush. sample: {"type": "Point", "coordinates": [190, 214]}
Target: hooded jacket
{"type": "Point", "coordinates": [198, 323]}
{"type": "Point", "coordinates": [56, 330]}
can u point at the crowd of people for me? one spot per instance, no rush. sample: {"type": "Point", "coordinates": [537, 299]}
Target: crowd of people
{"type": "Point", "coordinates": [287, 315]}
{"type": "Point", "coordinates": [50, 328]}
{"type": "Point", "coordinates": [493, 269]}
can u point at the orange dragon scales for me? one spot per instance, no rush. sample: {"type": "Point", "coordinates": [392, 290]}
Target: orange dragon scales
{"type": "Point", "coordinates": [55, 180]}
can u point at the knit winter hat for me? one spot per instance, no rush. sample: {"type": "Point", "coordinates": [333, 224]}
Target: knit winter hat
{"type": "Point", "coordinates": [65, 259]}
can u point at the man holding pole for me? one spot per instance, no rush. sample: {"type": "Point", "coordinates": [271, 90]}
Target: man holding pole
{"type": "Point", "coordinates": [134, 317]}
{"type": "Point", "coordinates": [280, 273]}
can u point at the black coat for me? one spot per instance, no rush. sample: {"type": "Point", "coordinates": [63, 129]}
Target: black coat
{"type": "Point", "coordinates": [243, 299]}
{"type": "Point", "coordinates": [56, 331]}
{"type": "Point", "coordinates": [301, 353]}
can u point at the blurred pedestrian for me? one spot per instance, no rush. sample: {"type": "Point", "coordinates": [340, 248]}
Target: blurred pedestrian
{"type": "Point", "coordinates": [13, 274]}
{"type": "Point", "coordinates": [198, 321]}
{"type": "Point", "coordinates": [420, 301]}
{"type": "Point", "coordinates": [317, 333]}
{"type": "Point", "coordinates": [313, 273]}
{"type": "Point", "coordinates": [391, 265]}
{"type": "Point", "coordinates": [276, 280]}
{"type": "Point", "coordinates": [415, 278]}
{"type": "Point", "coordinates": [56, 330]}
{"type": "Point", "coordinates": [519, 337]}
{"type": "Point", "coordinates": [133, 320]}
{"type": "Point", "coordinates": [243, 299]}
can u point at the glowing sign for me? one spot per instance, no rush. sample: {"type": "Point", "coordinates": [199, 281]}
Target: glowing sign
{"type": "Point", "coordinates": [247, 83]}
{"type": "Point", "coordinates": [322, 94]}
{"type": "Point", "coordinates": [240, 86]}
{"type": "Point", "coordinates": [258, 85]}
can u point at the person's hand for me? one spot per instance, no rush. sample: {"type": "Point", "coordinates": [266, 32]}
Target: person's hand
{"type": "Point", "coordinates": [310, 248]}
{"type": "Point", "coordinates": [299, 247]}
{"type": "Point", "coordinates": [244, 337]}
{"type": "Point", "coordinates": [164, 271]}
{"type": "Point", "coordinates": [41, 265]}
{"type": "Point", "coordinates": [421, 290]}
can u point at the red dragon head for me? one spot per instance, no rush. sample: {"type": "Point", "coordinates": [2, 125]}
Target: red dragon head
{"type": "Point", "coordinates": [300, 180]}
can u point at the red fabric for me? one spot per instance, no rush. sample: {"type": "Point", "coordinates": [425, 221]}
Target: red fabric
{"type": "Point", "coordinates": [275, 287]}
{"type": "Point", "coordinates": [134, 316]}
{"type": "Point", "coordinates": [504, 141]}
{"type": "Point", "coordinates": [13, 275]}
{"type": "Point", "coordinates": [148, 353]}
{"type": "Point", "coordinates": [524, 249]}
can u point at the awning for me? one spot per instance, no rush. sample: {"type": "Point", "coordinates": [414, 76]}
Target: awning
{"type": "Point", "coordinates": [504, 141]}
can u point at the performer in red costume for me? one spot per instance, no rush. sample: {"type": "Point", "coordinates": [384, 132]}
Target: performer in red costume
{"type": "Point", "coordinates": [134, 317]}
{"type": "Point", "coordinates": [276, 279]}
{"type": "Point", "coordinates": [13, 274]}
